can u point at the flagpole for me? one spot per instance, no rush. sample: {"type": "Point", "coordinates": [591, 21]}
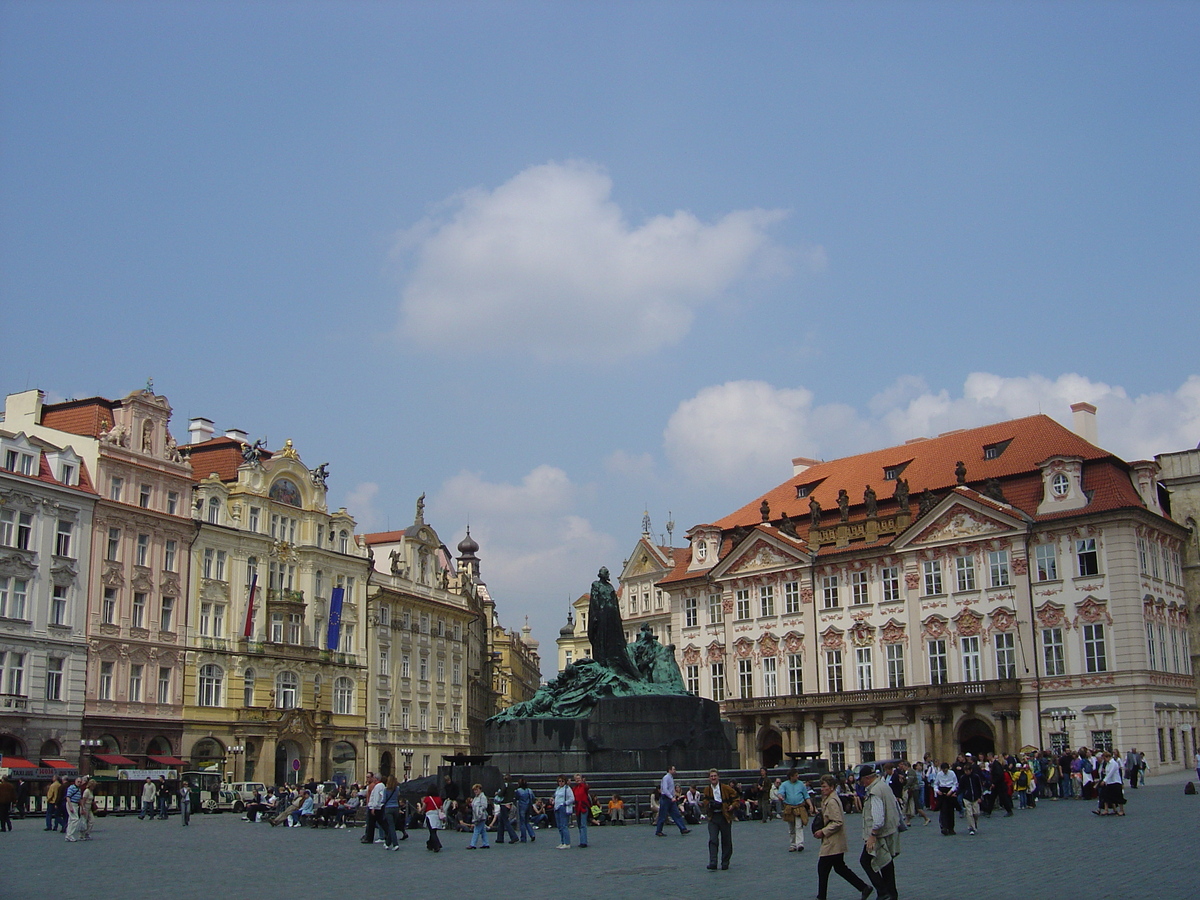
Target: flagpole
{"type": "Point", "coordinates": [250, 607]}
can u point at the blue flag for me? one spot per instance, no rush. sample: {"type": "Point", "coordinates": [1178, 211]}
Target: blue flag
{"type": "Point", "coordinates": [335, 618]}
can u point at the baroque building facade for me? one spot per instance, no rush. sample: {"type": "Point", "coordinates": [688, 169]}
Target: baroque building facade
{"type": "Point", "coordinates": [272, 692]}
{"type": "Point", "coordinates": [136, 592]}
{"type": "Point", "coordinates": [989, 589]}
{"type": "Point", "coordinates": [46, 507]}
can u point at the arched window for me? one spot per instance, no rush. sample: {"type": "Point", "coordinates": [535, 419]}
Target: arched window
{"type": "Point", "coordinates": [343, 697]}
{"type": "Point", "coordinates": [211, 682]}
{"type": "Point", "coordinates": [251, 570]}
{"type": "Point", "coordinates": [214, 510]}
{"type": "Point", "coordinates": [287, 686]}
{"type": "Point", "coordinates": [248, 688]}
{"type": "Point", "coordinates": [344, 542]}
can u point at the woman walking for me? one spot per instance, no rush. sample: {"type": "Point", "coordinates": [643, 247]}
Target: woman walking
{"type": "Point", "coordinates": [524, 802]}
{"type": "Point", "coordinates": [479, 817]}
{"type": "Point", "coordinates": [564, 805]}
{"type": "Point", "coordinates": [435, 821]}
{"type": "Point", "coordinates": [832, 833]}
{"type": "Point", "coordinates": [389, 812]}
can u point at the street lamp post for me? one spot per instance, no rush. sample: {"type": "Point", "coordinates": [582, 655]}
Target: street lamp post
{"type": "Point", "coordinates": [1061, 720]}
{"type": "Point", "coordinates": [236, 751]}
{"type": "Point", "coordinates": [86, 747]}
{"type": "Point", "coordinates": [407, 753]}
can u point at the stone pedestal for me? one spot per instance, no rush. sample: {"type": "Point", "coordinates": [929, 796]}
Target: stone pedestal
{"type": "Point", "coordinates": [622, 734]}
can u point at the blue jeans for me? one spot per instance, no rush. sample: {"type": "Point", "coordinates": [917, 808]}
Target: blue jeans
{"type": "Point", "coordinates": [164, 804]}
{"type": "Point", "coordinates": [582, 817]}
{"type": "Point", "coordinates": [526, 827]}
{"type": "Point", "coordinates": [480, 831]}
{"type": "Point", "coordinates": [147, 809]}
{"type": "Point", "coordinates": [504, 824]}
{"type": "Point", "coordinates": [563, 819]}
{"type": "Point", "coordinates": [387, 821]}
{"type": "Point", "coordinates": [668, 807]}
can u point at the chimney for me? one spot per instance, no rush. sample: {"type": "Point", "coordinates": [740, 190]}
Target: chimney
{"type": "Point", "coordinates": [802, 464]}
{"type": "Point", "coordinates": [237, 434]}
{"type": "Point", "coordinates": [199, 430]}
{"type": "Point", "coordinates": [1084, 422]}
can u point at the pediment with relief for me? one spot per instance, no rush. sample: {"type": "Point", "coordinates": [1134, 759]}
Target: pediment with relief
{"type": "Point", "coordinates": [760, 555]}
{"type": "Point", "coordinates": [958, 523]}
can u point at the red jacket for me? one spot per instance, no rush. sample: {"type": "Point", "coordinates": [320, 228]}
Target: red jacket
{"type": "Point", "coordinates": [582, 803]}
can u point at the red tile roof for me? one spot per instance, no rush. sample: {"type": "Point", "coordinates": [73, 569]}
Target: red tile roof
{"type": "Point", "coordinates": [222, 455]}
{"type": "Point", "coordinates": [90, 417]}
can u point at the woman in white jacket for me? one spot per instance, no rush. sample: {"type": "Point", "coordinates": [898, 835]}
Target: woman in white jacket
{"type": "Point", "coordinates": [564, 805]}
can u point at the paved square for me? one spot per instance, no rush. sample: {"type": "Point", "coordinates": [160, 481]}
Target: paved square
{"type": "Point", "coordinates": [1059, 850]}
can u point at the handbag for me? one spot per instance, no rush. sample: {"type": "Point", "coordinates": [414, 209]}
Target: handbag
{"type": "Point", "coordinates": [902, 823]}
{"type": "Point", "coordinates": [818, 821]}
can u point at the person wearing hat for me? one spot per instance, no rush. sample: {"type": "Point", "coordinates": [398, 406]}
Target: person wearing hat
{"type": "Point", "coordinates": [881, 833]}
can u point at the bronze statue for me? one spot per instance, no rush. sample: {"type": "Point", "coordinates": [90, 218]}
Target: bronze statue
{"type": "Point", "coordinates": [605, 633]}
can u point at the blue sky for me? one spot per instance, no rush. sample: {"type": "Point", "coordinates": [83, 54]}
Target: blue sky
{"type": "Point", "coordinates": [556, 263]}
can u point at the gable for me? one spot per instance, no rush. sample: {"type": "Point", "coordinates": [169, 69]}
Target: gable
{"type": "Point", "coordinates": [760, 554]}
{"type": "Point", "coordinates": [958, 523]}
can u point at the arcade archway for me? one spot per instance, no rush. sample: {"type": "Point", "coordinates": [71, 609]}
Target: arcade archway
{"type": "Point", "coordinates": [976, 737]}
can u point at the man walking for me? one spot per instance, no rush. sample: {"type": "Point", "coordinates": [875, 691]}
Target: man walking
{"type": "Point", "coordinates": [667, 805]}
{"type": "Point", "coordinates": [797, 806]}
{"type": "Point", "coordinates": [970, 790]}
{"type": "Point", "coordinates": [505, 798]}
{"type": "Point", "coordinates": [375, 792]}
{"type": "Point", "coordinates": [1131, 767]}
{"type": "Point", "coordinates": [54, 799]}
{"type": "Point", "coordinates": [149, 797]}
{"type": "Point", "coordinates": [583, 806]}
{"type": "Point", "coordinates": [719, 802]}
{"type": "Point", "coordinates": [945, 783]}
{"type": "Point", "coordinates": [74, 811]}
{"type": "Point", "coordinates": [881, 835]}
{"type": "Point", "coordinates": [164, 797]}
{"type": "Point", "coordinates": [185, 802]}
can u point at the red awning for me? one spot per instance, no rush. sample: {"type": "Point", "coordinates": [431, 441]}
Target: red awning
{"type": "Point", "coordinates": [114, 760]}
{"type": "Point", "coordinates": [167, 760]}
{"type": "Point", "coordinates": [16, 762]}
{"type": "Point", "coordinates": [57, 764]}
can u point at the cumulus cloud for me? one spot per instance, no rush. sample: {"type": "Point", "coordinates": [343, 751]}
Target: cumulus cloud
{"type": "Point", "coordinates": [547, 264]}
{"type": "Point", "coordinates": [630, 465]}
{"type": "Point", "coordinates": [746, 432]}
{"type": "Point", "coordinates": [537, 550]}
{"type": "Point", "coordinates": [360, 502]}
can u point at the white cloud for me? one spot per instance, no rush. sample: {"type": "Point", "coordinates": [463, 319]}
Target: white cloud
{"type": "Point", "coordinates": [746, 432]}
{"type": "Point", "coordinates": [537, 550]}
{"type": "Point", "coordinates": [548, 265]}
{"type": "Point", "coordinates": [630, 465]}
{"type": "Point", "coordinates": [360, 503]}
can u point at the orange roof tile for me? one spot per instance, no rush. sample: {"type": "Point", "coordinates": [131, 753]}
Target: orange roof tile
{"type": "Point", "coordinates": [222, 455]}
{"type": "Point", "coordinates": [90, 417]}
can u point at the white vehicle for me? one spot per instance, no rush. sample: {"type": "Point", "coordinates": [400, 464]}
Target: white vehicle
{"type": "Point", "coordinates": [245, 789]}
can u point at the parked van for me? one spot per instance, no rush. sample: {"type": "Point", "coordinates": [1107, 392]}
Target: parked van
{"type": "Point", "coordinates": [245, 789]}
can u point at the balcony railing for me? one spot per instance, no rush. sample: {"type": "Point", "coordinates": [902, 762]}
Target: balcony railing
{"type": "Point", "coordinates": [280, 595]}
{"type": "Point", "coordinates": [13, 701]}
{"type": "Point", "coordinates": [925, 693]}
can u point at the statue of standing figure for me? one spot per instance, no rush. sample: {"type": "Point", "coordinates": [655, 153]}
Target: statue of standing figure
{"type": "Point", "coordinates": [605, 631]}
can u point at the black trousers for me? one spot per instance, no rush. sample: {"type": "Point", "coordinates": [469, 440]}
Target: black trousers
{"type": "Point", "coordinates": [434, 842]}
{"type": "Point", "coordinates": [835, 863]}
{"type": "Point", "coordinates": [884, 881]}
{"type": "Point", "coordinates": [946, 808]}
{"type": "Point", "coordinates": [720, 836]}
{"type": "Point", "coordinates": [372, 821]}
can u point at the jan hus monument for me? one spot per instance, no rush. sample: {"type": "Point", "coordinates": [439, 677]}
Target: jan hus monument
{"type": "Point", "coordinates": [623, 709]}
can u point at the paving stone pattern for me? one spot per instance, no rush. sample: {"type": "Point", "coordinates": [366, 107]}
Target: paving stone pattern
{"type": "Point", "coordinates": [1060, 850]}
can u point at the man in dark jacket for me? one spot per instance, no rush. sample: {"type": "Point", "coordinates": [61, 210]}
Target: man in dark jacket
{"type": "Point", "coordinates": [970, 791]}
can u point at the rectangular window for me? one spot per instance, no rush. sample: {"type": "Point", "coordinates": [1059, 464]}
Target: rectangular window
{"type": "Point", "coordinates": [716, 675]}
{"type": "Point", "coordinates": [424, 717]}
{"type": "Point", "coordinates": [791, 598]}
{"type": "Point", "coordinates": [1143, 556]}
{"type": "Point", "coordinates": [858, 588]}
{"type": "Point", "coordinates": [220, 569]}
{"type": "Point", "coordinates": [715, 611]}
{"type": "Point", "coordinates": [108, 606]}
{"type": "Point", "coordinates": [295, 628]}
{"type": "Point", "coordinates": [795, 674]}
{"type": "Point", "coordinates": [895, 665]}
{"type": "Point", "coordinates": [441, 671]}
{"type": "Point", "coordinates": [58, 605]}
{"type": "Point", "coordinates": [13, 595]}
{"type": "Point", "coordinates": [1102, 740]}
{"type": "Point", "coordinates": [62, 540]}
{"type": "Point", "coordinates": [1059, 742]}
{"type": "Point", "coordinates": [964, 572]}
{"type": "Point", "coordinates": [113, 551]}
{"type": "Point", "coordinates": [276, 626]}
{"type": "Point", "coordinates": [1155, 572]}
{"type": "Point", "coordinates": [1046, 561]}
{"type": "Point", "coordinates": [206, 619]}
{"type": "Point", "coordinates": [770, 676]}
{"type": "Point", "coordinates": [658, 599]}
{"type": "Point", "coordinates": [218, 613]}
{"type": "Point", "coordinates": [135, 683]}
{"type": "Point", "coordinates": [972, 667]}
{"type": "Point", "coordinates": [54, 678]}
{"type": "Point", "coordinates": [1151, 646]}
{"type": "Point", "coordinates": [210, 556]}
{"type": "Point", "coordinates": [346, 638]}
{"type": "Point", "coordinates": [932, 571]}
{"type": "Point", "coordinates": [866, 751]}
{"type": "Point", "coordinates": [646, 601]}
{"type": "Point", "coordinates": [405, 666]}
{"type": "Point", "coordinates": [142, 553]}
{"type": "Point", "coordinates": [164, 685]}
{"type": "Point", "coordinates": [8, 533]}
{"type": "Point", "coordinates": [837, 757]}
{"type": "Point", "coordinates": [106, 679]}
{"type": "Point", "coordinates": [172, 502]}
{"type": "Point", "coordinates": [423, 667]}
{"type": "Point", "coordinates": [690, 614]}
{"type": "Point", "coordinates": [743, 604]}
{"type": "Point", "coordinates": [745, 679]}
{"type": "Point", "coordinates": [1174, 748]}
{"type": "Point", "coordinates": [1006, 655]}
{"type": "Point", "coordinates": [890, 576]}
{"type": "Point", "coordinates": [170, 549]}
{"type": "Point", "coordinates": [252, 523]}
{"type": "Point", "coordinates": [1175, 650]}
{"type": "Point", "coordinates": [1094, 656]}
{"type": "Point", "coordinates": [1162, 646]}
{"type": "Point", "coordinates": [691, 679]}
{"type": "Point", "coordinates": [139, 610]}
{"type": "Point", "coordinates": [166, 617]}
{"type": "Point", "coordinates": [899, 748]}
{"type": "Point", "coordinates": [829, 592]}
{"type": "Point", "coordinates": [833, 671]}
{"type": "Point", "coordinates": [1053, 659]}
{"type": "Point", "coordinates": [865, 668]}
{"type": "Point", "coordinates": [405, 716]}
{"type": "Point", "coordinates": [144, 496]}
{"type": "Point", "coordinates": [24, 530]}
{"type": "Point", "coordinates": [115, 486]}
{"type": "Point", "coordinates": [384, 661]}
{"type": "Point", "coordinates": [456, 672]}
{"type": "Point", "coordinates": [998, 568]}
{"type": "Point", "coordinates": [939, 672]}
{"type": "Point", "coordinates": [1088, 557]}
{"type": "Point", "coordinates": [766, 600]}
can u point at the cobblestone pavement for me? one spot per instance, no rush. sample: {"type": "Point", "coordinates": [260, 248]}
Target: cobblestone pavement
{"type": "Point", "coordinates": [1059, 850]}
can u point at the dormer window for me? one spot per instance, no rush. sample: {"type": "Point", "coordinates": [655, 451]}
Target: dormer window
{"type": "Point", "coordinates": [16, 461]}
{"type": "Point", "coordinates": [993, 451]}
{"type": "Point", "coordinates": [66, 474]}
{"type": "Point", "coordinates": [1060, 485]}
{"type": "Point", "coordinates": [803, 490]}
{"type": "Point", "coordinates": [893, 473]}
